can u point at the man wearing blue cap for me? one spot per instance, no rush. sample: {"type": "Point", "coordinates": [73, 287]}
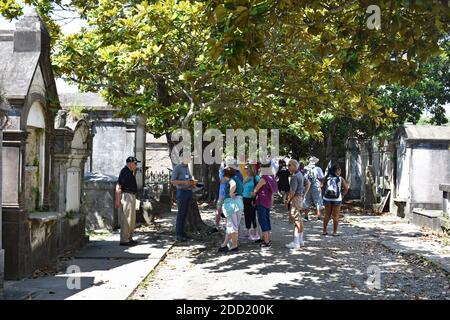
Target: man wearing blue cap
{"type": "Point", "coordinates": [126, 189]}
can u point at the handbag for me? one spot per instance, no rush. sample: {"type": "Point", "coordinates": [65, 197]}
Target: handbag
{"type": "Point", "coordinates": [253, 203]}
{"type": "Point", "coordinates": [232, 206]}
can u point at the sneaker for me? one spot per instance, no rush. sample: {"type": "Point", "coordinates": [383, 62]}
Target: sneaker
{"type": "Point", "coordinates": [223, 249]}
{"type": "Point", "coordinates": [236, 249]}
{"type": "Point", "coordinates": [244, 236]}
{"type": "Point", "coordinates": [266, 245]}
{"type": "Point", "coordinates": [254, 237]}
{"type": "Point", "coordinates": [293, 245]}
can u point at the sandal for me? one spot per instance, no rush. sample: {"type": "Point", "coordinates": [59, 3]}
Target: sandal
{"type": "Point", "coordinates": [324, 233]}
{"type": "Point", "coordinates": [336, 235]}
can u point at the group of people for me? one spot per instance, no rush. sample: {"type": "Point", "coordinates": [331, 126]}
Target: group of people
{"type": "Point", "coordinates": [300, 188]}
{"type": "Point", "coordinates": [249, 196]}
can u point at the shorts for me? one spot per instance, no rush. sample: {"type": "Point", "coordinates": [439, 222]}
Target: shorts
{"type": "Point", "coordinates": [295, 212]}
{"type": "Point", "coordinates": [264, 218]}
{"type": "Point", "coordinates": [233, 222]}
{"type": "Point", "coordinates": [314, 196]}
{"type": "Point", "coordinates": [332, 203]}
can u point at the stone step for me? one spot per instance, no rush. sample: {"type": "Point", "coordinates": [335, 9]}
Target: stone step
{"type": "Point", "coordinates": [6, 37]}
{"type": "Point", "coordinates": [430, 219]}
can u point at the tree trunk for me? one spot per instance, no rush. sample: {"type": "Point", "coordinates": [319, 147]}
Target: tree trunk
{"type": "Point", "coordinates": [194, 222]}
{"type": "Point", "coordinates": [210, 179]}
{"type": "Point", "coordinates": [330, 152]}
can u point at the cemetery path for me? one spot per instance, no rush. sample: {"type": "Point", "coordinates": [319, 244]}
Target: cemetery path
{"type": "Point", "coordinates": [359, 264]}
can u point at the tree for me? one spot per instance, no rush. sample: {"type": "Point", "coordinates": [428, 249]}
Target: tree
{"type": "Point", "coordinates": [244, 63]}
{"type": "Point", "coordinates": [153, 59]}
{"type": "Point", "coordinates": [408, 27]}
{"type": "Point", "coordinates": [323, 55]}
{"type": "Point", "coordinates": [430, 93]}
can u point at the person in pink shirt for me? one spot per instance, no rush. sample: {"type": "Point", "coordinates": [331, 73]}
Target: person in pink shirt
{"type": "Point", "coordinates": [264, 190]}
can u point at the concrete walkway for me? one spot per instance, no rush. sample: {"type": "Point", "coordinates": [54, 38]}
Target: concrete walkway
{"type": "Point", "coordinates": [344, 267]}
{"type": "Point", "coordinates": [401, 236]}
{"type": "Point", "coordinates": [105, 270]}
{"type": "Point", "coordinates": [327, 268]}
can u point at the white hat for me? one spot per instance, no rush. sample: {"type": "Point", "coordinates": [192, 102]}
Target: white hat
{"type": "Point", "coordinates": [231, 163]}
{"type": "Point", "coordinates": [313, 160]}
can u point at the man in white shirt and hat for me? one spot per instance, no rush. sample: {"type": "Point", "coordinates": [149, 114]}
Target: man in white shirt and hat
{"type": "Point", "coordinates": [314, 196]}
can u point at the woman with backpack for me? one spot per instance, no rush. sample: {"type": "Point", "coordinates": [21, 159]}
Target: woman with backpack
{"type": "Point", "coordinates": [233, 207]}
{"type": "Point", "coordinates": [334, 189]}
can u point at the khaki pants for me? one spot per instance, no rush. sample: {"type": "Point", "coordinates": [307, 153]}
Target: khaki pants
{"type": "Point", "coordinates": [128, 217]}
{"type": "Point", "coordinates": [295, 214]}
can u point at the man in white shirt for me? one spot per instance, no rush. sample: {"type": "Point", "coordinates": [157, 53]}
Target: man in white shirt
{"type": "Point", "coordinates": [314, 196]}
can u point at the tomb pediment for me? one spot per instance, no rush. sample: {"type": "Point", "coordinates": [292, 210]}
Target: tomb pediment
{"type": "Point", "coordinates": [38, 83]}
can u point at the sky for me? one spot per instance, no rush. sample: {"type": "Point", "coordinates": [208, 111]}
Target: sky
{"type": "Point", "coordinates": [68, 26]}
{"type": "Point", "coordinates": [74, 25]}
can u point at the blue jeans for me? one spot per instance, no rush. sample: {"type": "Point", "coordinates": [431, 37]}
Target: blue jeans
{"type": "Point", "coordinates": [264, 218]}
{"type": "Point", "coordinates": [332, 203]}
{"type": "Point", "coordinates": [184, 198]}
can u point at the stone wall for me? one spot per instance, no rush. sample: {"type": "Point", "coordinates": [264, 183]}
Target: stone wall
{"type": "Point", "coordinates": [429, 168]}
{"type": "Point", "coordinates": [369, 170]}
{"type": "Point", "coordinates": [353, 168]}
{"type": "Point", "coordinates": [112, 144]}
{"type": "Point", "coordinates": [71, 233]}
{"type": "Point", "coordinates": [98, 201]}
{"type": "Point", "coordinates": [51, 234]}
{"type": "Point", "coordinates": [157, 154]}
{"type": "Point", "coordinates": [157, 159]}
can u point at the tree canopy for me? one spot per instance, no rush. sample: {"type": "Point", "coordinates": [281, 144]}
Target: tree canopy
{"type": "Point", "coordinates": [246, 63]}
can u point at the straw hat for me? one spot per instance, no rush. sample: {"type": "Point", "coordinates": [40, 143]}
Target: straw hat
{"type": "Point", "coordinates": [313, 160]}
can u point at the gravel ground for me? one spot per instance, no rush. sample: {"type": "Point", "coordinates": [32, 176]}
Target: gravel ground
{"type": "Point", "coordinates": [354, 265]}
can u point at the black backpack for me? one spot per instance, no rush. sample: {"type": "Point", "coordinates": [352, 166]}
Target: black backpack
{"type": "Point", "coordinates": [331, 188]}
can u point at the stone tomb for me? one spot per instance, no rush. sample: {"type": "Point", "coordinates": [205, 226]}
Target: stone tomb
{"type": "Point", "coordinates": [4, 109]}
{"type": "Point", "coordinates": [413, 168]}
{"type": "Point", "coordinates": [42, 166]}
